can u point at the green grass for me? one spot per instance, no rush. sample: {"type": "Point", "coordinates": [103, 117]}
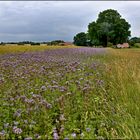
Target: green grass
{"type": "Point", "coordinates": [123, 90]}
{"type": "Point", "coordinates": [109, 110]}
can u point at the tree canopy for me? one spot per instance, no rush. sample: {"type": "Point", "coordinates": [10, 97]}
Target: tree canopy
{"type": "Point", "coordinates": [80, 39]}
{"type": "Point", "coordinates": [109, 27]}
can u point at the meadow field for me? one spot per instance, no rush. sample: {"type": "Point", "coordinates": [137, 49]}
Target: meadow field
{"type": "Point", "coordinates": [53, 92]}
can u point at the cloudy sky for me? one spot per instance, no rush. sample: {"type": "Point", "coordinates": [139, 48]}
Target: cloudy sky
{"type": "Point", "coordinates": [51, 20]}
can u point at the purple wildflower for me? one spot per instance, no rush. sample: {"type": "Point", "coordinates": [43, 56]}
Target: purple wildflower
{"type": "Point", "coordinates": [6, 125]}
{"type": "Point", "coordinates": [37, 136]}
{"type": "Point", "coordinates": [73, 135]}
{"type": "Point", "coordinates": [55, 134]}
{"type": "Point", "coordinates": [17, 130]}
{"type": "Point", "coordinates": [43, 88]}
{"type": "Point", "coordinates": [2, 133]}
{"type": "Point", "coordinates": [88, 129]}
{"type": "Point", "coordinates": [17, 113]}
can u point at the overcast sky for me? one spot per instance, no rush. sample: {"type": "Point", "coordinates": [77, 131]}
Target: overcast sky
{"type": "Point", "coordinates": [51, 20]}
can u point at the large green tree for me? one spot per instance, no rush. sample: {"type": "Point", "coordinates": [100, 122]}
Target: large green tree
{"type": "Point", "coordinates": [109, 27]}
{"type": "Point", "coordinates": [80, 39]}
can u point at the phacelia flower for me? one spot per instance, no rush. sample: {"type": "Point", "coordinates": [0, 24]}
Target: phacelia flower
{"type": "Point", "coordinates": [17, 130]}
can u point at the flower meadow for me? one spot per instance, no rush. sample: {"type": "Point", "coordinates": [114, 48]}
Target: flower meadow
{"type": "Point", "coordinates": [65, 93]}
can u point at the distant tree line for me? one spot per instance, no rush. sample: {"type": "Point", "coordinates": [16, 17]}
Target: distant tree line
{"type": "Point", "coordinates": [135, 42]}
{"type": "Point", "coordinates": [54, 42]}
{"type": "Point", "coordinates": [109, 29]}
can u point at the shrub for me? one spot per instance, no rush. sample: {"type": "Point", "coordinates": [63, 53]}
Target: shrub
{"type": "Point", "coordinates": [136, 45]}
{"type": "Point", "coordinates": [110, 44]}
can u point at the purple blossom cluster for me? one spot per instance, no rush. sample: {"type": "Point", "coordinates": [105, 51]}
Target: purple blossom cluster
{"type": "Point", "coordinates": [39, 90]}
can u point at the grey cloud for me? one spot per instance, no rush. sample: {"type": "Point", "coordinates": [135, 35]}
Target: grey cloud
{"type": "Point", "coordinates": [44, 21]}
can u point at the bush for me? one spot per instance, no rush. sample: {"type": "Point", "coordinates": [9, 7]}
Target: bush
{"type": "Point", "coordinates": [20, 43]}
{"type": "Point", "coordinates": [33, 43]}
{"type": "Point", "coordinates": [110, 44]}
{"type": "Point", "coordinates": [80, 39]}
{"type": "Point", "coordinates": [136, 45]}
{"type": "Point", "coordinates": [131, 43]}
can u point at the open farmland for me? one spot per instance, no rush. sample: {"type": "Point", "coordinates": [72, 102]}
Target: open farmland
{"type": "Point", "coordinates": [69, 93]}
{"type": "Point", "coordinates": [4, 49]}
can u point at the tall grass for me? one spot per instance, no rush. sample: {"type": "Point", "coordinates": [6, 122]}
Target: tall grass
{"type": "Point", "coordinates": [123, 90]}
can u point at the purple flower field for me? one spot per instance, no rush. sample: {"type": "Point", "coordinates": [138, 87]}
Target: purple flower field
{"type": "Point", "coordinates": [51, 94]}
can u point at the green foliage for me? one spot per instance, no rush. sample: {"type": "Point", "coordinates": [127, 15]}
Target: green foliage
{"type": "Point", "coordinates": [55, 42]}
{"type": "Point", "coordinates": [20, 43]}
{"type": "Point", "coordinates": [33, 43]}
{"type": "Point", "coordinates": [134, 40]}
{"type": "Point", "coordinates": [136, 45]}
{"type": "Point", "coordinates": [110, 44]}
{"type": "Point", "coordinates": [80, 39]}
{"type": "Point", "coordinates": [109, 27]}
